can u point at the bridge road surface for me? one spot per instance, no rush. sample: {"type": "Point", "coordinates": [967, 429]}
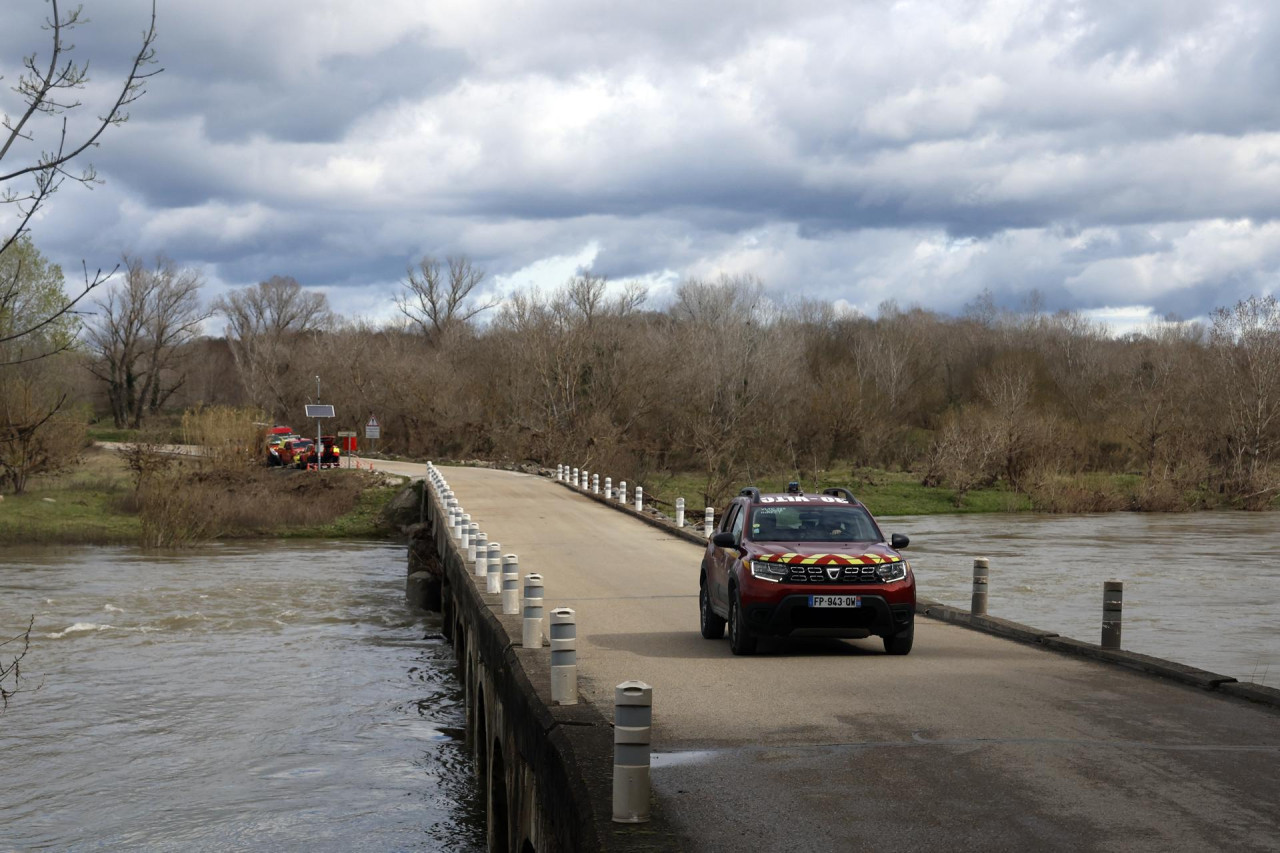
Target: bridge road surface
{"type": "Point", "coordinates": [971, 742]}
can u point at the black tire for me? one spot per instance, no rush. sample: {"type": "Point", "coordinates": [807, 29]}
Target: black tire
{"type": "Point", "coordinates": [712, 625]}
{"type": "Point", "coordinates": [900, 643]}
{"type": "Point", "coordinates": [741, 641]}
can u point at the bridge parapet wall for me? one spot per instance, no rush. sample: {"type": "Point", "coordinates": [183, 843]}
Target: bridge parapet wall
{"type": "Point", "coordinates": [545, 770]}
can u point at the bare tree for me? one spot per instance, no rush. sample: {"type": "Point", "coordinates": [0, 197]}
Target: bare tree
{"type": "Point", "coordinates": [140, 333]}
{"type": "Point", "coordinates": [12, 651]}
{"type": "Point", "coordinates": [1245, 352]}
{"type": "Point", "coordinates": [265, 323]}
{"type": "Point", "coordinates": [48, 153]}
{"type": "Point", "coordinates": [438, 300]}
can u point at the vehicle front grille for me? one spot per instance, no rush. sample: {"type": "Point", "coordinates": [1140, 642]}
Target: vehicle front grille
{"type": "Point", "coordinates": [818, 574]}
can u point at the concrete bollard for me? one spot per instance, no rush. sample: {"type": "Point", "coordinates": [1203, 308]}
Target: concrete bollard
{"type": "Point", "coordinates": [493, 569]}
{"type": "Point", "coordinates": [559, 471]}
{"type": "Point", "coordinates": [632, 734]}
{"type": "Point", "coordinates": [981, 571]}
{"type": "Point", "coordinates": [679, 512]}
{"type": "Point", "coordinates": [586, 479]}
{"type": "Point", "coordinates": [575, 477]}
{"type": "Point", "coordinates": [533, 611]}
{"type": "Point", "coordinates": [464, 533]}
{"type": "Point", "coordinates": [482, 555]}
{"type": "Point", "coordinates": [473, 547]}
{"type": "Point", "coordinates": [510, 585]}
{"type": "Point", "coordinates": [564, 656]}
{"type": "Point", "coordinates": [639, 498]}
{"type": "Point", "coordinates": [1112, 613]}
{"type": "Point", "coordinates": [608, 488]}
{"type": "Point", "coordinates": [622, 492]}
{"type": "Point", "coordinates": [456, 531]}
{"type": "Point", "coordinates": [595, 484]}
{"type": "Point", "coordinates": [708, 521]}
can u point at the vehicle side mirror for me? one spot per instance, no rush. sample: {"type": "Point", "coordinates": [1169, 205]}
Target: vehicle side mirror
{"type": "Point", "coordinates": [898, 540]}
{"type": "Point", "coordinates": [724, 539]}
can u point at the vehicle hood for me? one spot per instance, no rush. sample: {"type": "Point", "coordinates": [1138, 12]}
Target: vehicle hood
{"type": "Point", "coordinates": [824, 553]}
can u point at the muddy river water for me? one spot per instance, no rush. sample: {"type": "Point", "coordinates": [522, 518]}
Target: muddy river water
{"type": "Point", "coordinates": [280, 696]}
{"type": "Point", "coordinates": [1199, 588]}
{"type": "Point", "coordinates": [271, 696]}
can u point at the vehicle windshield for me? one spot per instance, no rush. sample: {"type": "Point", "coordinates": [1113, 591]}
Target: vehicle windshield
{"type": "Point", "coordinates": [812, 524]}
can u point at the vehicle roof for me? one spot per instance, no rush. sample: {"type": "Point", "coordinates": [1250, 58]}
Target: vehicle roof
{"type": "Point", "coordinates": [784, 498]}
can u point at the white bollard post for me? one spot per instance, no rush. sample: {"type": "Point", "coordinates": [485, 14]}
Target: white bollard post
{"type": "Point", "coordinates": [464, 533]}
{"type": "Point", "coordinates": [632, 736]}
{"type": "Point", "coordinates": [457, 524]}
{"type": "Point", "coordinates": [586, 479]}
{"type": "Point", "coordinates": [708, 522]}
{"type": "Point", "coordinates": [622, 492]}
{"type": "Point", "coordinates": [510, 585]}
{"type": "Point", "coordinates": [595, 484]}
{"type": "Point", "coordinates": [679, 512]}
{"type": "Point", "coordinates": [575, 476]}
{"type": "Point", "coordinates": [482, 555]}
{"type": "Point", "coordinates": [533, 611]}
{"type": "Point", "coordinates": [639, 498]}
{"type": "Point", "coordinates": [473, 533]}
{"type": "Point", "coordinates": [493, 569]}
{"type": "Point", "coordinates": [564, 657]}
{"type": "Point", "coordinates": [608, 488]}
{"type": "Point", "coordinates": [559, 472]}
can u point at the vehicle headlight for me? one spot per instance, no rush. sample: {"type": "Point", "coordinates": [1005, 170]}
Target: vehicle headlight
{"type": "Point", "coordinates": [892, 571]}
{"type": "Point", "coordinates": [772, 572]}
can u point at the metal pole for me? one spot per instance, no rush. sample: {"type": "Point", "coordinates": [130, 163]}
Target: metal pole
{"type": "Point", "coordinates": [533, 611]}
{"type": "Point", "coordinates": [510, 585]}
{"type": "Point", "coordinates": [632, 735]}
{"type": "Point", "coordinates": [981, 571]}
{"type": "Point", "coordinates": [564, 656]}
{"type": "Point", "coordinates": [708, 521]}
{"type": "Point", "coordinates": [1112, 613]}
{"type": "Point", "coordinates": [493, 569]}
{"type": "Point", "coordinates": [679, 512]}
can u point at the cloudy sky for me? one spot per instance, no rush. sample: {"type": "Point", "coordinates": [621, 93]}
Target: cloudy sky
{"type": "Point", "coordinates": [1122, 158]}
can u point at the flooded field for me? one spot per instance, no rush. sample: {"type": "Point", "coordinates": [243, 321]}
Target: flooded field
{"type": "Point", "coordinates": [1199, 588]}
{"type": "Point", "coordinates": [246, 697]}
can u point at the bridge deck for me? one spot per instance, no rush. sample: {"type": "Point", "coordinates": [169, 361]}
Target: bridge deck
{"type": "Point", "coordinates": [970, 742]}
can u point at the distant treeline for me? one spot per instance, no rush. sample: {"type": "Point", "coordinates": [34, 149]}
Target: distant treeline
{"type": "Point", "coordinates": [725, 383]}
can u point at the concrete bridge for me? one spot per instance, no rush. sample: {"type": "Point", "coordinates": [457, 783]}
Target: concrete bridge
{"type": "Point", "coordinates": [972, 741]}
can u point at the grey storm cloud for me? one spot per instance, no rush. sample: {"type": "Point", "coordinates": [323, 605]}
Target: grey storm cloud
{"type": "Point", "coordinates": [1103, 154]}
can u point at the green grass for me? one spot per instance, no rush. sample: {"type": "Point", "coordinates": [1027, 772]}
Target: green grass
{"type": "Point", "coordinates": [86, 505]}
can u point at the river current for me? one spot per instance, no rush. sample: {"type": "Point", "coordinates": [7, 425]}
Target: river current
{"type": "Point", "coordinates": [253, 697]}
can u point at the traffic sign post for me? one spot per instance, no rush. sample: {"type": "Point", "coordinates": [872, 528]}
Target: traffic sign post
{"type": "Point", "coordinates": [372, 429]}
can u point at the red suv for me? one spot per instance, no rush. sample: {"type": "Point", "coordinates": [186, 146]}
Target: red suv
{"type": "Point", "coordinates": [805, 565]}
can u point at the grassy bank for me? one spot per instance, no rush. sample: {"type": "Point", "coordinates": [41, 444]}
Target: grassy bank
{"type": "Point", "coordinates": [884, 492]}
{"type": "Point", "coordinates": [94, 503]}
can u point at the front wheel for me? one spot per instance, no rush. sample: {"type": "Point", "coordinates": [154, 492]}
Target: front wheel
{"type": "Point", "coordinates": [900, 643]}
{"type": "Point", "coordinates": [741, 641]}
{"type": "Point", "coordinates": [712, 625]}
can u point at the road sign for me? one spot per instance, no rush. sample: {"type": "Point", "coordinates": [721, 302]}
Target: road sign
{"type": "Point", "coordinates": [346, 433]}
{"type": "Point", "coordinates": [372, 429]}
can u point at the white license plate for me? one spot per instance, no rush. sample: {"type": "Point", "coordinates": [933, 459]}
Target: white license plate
{"type": "Point", "coordinates": [835, 601]}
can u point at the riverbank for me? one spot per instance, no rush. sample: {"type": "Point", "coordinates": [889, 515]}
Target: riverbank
{"type": "Point", "coordinates": [94, 503]}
